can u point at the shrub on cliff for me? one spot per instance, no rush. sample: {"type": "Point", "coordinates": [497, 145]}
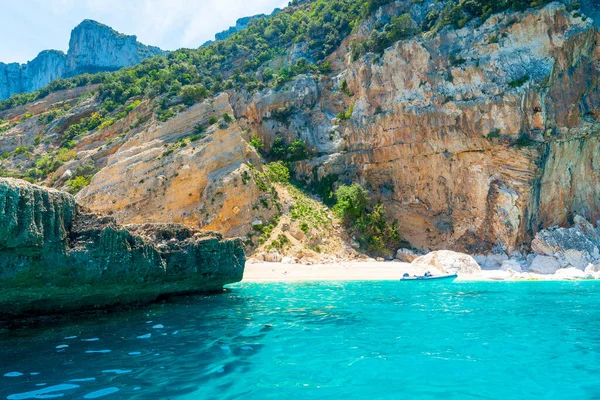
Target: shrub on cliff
{"type": "Point", "coordinates": [369, 224]}
{"type": "Point", "coordinates": [277, 172]}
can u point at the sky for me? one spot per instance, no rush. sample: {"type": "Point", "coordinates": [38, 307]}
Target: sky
{"type": "Point", "coordinates": [30, 26]}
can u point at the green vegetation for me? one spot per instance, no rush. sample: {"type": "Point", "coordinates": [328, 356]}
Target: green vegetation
{"type": "Point", "coordinates": [295, 151]}
{"type": "Point", "coordinates": [279, 243]}
{"type": "Point", "coordinates": [458, 13]}
{"type": "Point", "coordinates": [368, 223]}
{"type": "Point", "coordinates": [277, 172]}
{"type": "Point", "coordinates": [52, 161]}
{"type": "Point", "coordinates": [523, 141]}
{"type": "Point", "coordinates": [344, 88]}
{"type": "Point", "coordinates": [241, 62]}
{"type": "Point", "coordinates": [519, 82]}
{"type": "Point", "coordinates": [50, 116]}
{"type": "Point", "coordinates": [54, 86]}
{"type": "Point", "coordinates": [346, 115]}
{"type": "Point", "coordinates": [399, 28]}
{"type": "Point", "coordinates": [495, 134]}
{"type": "Point", "coordinates": [238, 62]}
{"type": "Point", "coordinates": [75, 185]}
{"type": "Point", "coordinates": [307, 211]}
{"type": "Point", "coordinates": [256, 142]}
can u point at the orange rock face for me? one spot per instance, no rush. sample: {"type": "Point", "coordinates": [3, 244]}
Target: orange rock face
{"type": "Point", "coordinates": [471, 143]}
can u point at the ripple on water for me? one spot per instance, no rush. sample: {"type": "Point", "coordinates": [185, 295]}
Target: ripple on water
{"type": "Point", "coordinates": [13, 374]}
{"type": "Point", "coordinates": [97, 351]}
{"type": "Point", "coordinates": [101, 393]}
{"type": "Point", "coordinates": [116, 371]}
{"type": "Point", "coordinates": [356, 340]}
{"type": "Point", "coordinates": [45, 393]}
{"type": "Point", "coordinates": [146, 336]}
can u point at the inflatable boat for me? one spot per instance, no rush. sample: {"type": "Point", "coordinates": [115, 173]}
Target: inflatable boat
{"type": "Point", "coordinates": [448, 277]}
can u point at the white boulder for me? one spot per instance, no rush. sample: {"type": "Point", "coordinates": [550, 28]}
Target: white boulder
{"type": "Point", "coordinates": [511, 265]}
{"type": "Point", "coordinates": [449, 262]}
{"type": "Point", "coordinates": [570, 273]}
{"type": "Point", "coordinates": [544, 265]}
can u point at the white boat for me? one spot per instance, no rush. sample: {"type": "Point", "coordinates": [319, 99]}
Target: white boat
{"type": "Point", "coordinates": [449, 277]}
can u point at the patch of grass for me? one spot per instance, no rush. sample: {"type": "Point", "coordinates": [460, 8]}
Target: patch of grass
{"type": "Point", "coordinates": [277, 172]}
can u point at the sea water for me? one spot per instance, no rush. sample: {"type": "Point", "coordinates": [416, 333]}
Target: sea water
{"type": "Point", "coordinates": [350, 340]}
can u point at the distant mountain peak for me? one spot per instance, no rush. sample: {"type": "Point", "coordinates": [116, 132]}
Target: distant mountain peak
{"type": "Point", "coordinates": [93, 47]}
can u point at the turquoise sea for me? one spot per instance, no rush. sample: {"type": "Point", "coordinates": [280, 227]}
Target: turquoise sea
{"type": "Point", "coordinates": [347, 340]}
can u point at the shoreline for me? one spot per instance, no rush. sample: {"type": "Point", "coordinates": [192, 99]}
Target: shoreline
{"type": "Point", "coordinates": [272, 272]}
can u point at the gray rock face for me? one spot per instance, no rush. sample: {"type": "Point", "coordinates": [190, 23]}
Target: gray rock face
{"type": "Point", "coordinates": [571, 247]}
{"type": "Point", "coordinates": [93, 48]}
{"type": "Point", "coordinates": [56, 257]}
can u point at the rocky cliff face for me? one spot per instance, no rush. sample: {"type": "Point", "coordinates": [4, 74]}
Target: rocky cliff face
{"type": "Point", "coordinates": [93, 47]}
{"type": "Point", "coordinates": [473, 138]}
{"type": "Point", "coordinates": [57, 257]}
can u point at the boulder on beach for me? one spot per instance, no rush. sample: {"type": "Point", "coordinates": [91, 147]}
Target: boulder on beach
{"type": "Point", "coordinates": [576, 247]}
{"type": "Point", "coordinates": [570, 273]}
{"type": "Point", "coordinates": [511, 265]}
{"type": "Point", "coordinates": [544, 265]}
{"type": "Point", "coordinates": [449, 262]}
{"type": "Point", "coordinates": [407, 255]}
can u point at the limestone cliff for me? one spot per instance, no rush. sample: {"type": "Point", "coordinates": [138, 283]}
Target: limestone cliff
{"type": "Point", "coordinates": [473, 138]}
{"type": "Point", "coordinates": [93, 47]}
{"type": "Point", "coordinates": [57, 257]}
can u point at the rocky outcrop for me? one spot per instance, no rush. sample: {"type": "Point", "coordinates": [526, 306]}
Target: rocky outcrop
{"type": "Point", "coordinates": [575, 247]}
{"type": "Point", "coordinates": [96, 47]}
{"type": "Point", "coordinates": [93, 47]}
{"type": "Point", "coordinates": [448, 262]}
{"type": "Point", "coordinates": [56, 257]}
{"type": "Point", "coordinates": [212, 182]}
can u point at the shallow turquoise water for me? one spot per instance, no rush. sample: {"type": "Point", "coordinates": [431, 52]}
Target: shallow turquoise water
{"type": "Point", "coordinates": [380, 340]}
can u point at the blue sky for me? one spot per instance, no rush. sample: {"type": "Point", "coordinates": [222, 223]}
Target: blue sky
{"type": "Point", "coordinates": [30, 26]}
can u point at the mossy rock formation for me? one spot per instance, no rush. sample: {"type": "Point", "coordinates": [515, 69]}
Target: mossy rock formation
{"type": "Point", "coordinates": [56, 257]}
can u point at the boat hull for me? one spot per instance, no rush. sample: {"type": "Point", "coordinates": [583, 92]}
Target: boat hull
{"type": "Point", "coordinates": [449, 277]}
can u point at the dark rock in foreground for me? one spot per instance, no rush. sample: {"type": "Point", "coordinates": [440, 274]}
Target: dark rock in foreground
{"type": "Point", "coordinates": [56, 257]}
